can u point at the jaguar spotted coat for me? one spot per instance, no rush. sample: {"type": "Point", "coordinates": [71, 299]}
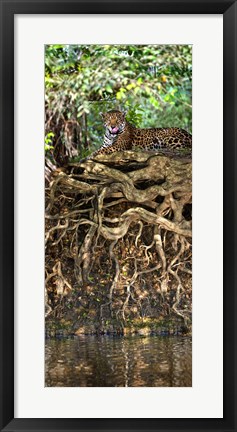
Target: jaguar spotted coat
{"type": "Point", "coordinates": [121, 135]}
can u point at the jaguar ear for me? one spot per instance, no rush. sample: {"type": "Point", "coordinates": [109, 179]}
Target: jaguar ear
{"type": "Point", "coordinates": [124, 113]}
{"type": "Point", "coordinates": [101, 114]}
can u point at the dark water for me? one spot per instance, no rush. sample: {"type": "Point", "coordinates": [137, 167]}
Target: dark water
{"type": "Point", "coordinates": [107, 361]}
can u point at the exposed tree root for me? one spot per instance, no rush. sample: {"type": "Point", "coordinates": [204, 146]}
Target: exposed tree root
{"type": "Point", "coordinates": [118, 236]}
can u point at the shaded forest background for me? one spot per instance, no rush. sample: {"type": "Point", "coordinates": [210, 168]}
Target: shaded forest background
{"type": "Point", "coordinates": [98, 281]}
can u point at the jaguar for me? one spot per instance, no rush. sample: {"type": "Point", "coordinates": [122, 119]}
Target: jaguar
{"type": "Point", "coordinates": [121, 135]}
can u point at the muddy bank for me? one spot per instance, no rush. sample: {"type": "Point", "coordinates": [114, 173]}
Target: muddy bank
{"type": "Point", "coordinates": [142, 327]}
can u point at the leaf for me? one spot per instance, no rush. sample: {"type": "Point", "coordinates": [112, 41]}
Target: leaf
{"type": "Point", "coordinates": [108, 89]}
{"type": "Point", "coordinates": [48, 147]}
{"type": "Point", "coordinates": [154, 102]}
{"type": "Point", "coordinates": [131, 86]}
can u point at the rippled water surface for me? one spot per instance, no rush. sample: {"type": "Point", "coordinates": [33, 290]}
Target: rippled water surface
{"type": "Point", "coordinates": [107, 361]}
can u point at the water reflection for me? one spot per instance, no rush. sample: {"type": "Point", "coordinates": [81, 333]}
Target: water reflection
{"type": "Point", "coordinates": [105, 361]}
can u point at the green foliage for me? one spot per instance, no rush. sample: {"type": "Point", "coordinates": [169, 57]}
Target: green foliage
{"type": "Point", "coordinates": [48, 141]}
{"type": "Point", "coordinates": [134, 113]}
{"type": "Point", "coordinates": [152, 82]}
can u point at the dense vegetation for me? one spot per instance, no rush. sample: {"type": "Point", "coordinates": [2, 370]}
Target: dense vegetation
{"type": "Point", "coordinates": [118, 229]}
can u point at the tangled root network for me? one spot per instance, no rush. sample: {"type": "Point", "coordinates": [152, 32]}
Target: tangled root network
{"type": "Point", "coordinates": [118, 236]}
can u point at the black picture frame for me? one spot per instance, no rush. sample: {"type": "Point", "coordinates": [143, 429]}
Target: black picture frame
{"type": "Point", "coordinates": [8, 10]}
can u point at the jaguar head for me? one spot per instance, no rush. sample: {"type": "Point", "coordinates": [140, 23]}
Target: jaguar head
{"type": "Point", "coordinates": [114, 121]}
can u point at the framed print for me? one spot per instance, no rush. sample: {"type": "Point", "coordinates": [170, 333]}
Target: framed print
{"type": "Point", "coordinates": [113, 115]}
{"type": "Point", "coordinates": [107, 299]}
